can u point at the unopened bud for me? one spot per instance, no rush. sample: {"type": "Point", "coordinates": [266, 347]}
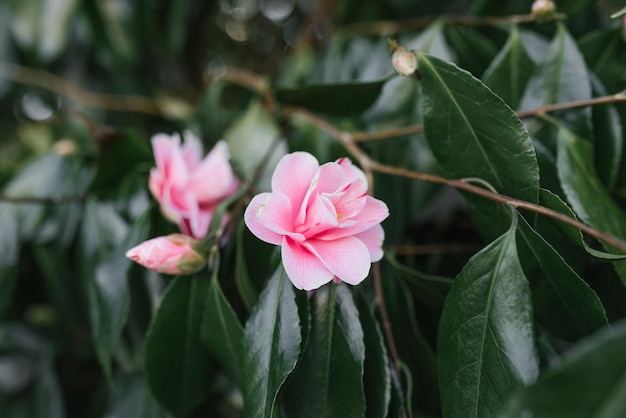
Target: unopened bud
{"type": "Point", "coordinates": [175, 254]}
{"type": "Point", "coordinates": [404, 61]}
{"type": "Point", "coordinates": [543, 9]}
{"type": "Point", "coordinates": [65, 147]}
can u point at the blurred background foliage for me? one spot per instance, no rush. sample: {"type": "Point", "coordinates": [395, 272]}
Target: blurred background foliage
{"type": "Point", "coordinates": [85, 83]}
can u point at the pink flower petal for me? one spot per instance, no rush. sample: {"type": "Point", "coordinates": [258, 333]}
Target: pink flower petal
{"type": "Point", "coordinates": [304, 269]}
{"type": "Point", "coordinates": [374, 212]}
{"type": "Point", "coordinates": [293, 176]}
{"type": "Point", "coordinates": [373, 239]}
{"type": "Point", "coordinates": [213, 179]}
{"type": "Point", "coordinates": [347, 258]}
{"type": "Point", "coordinates": [268, 216]}
{"type": "Point", "coordinates": [191, 150]}
{"type": "Point", "coordinates": [352, 171]}
{"type": "Point", "coordinates": [320, 217]}
{"type": "Point", "coordinates": [332, 178]}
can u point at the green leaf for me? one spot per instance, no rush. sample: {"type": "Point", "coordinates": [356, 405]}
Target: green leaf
{"type": "Point", "coordinates": [340, 99]}
{"type": "Point", "coordinates": [43, 26]}
{"type": "Point", "coordinates": [585, 192]}
{"type": "Point", "coordinates": [553, 201]}
{"type": "Point", "coordinates": [486, 346]}
{"type": "Point", "coordinates": [109, 296]}
{"type": "Point", "coordinates": [562, 301]}
{"type": "Point", "coordinates": [253, 139]}
{"type": "Point", "coordinates": [475, 50]}
{"type": "Point", "coordinates": [328, 380]}
{"type": "Point", "coordinates": [619, 13]}
{"type": "Point", "coordinates": [473, 133]}
{"type": "Point", "coordinates": [247, 291]}
{"type": "Point", "coordinates": [271, 346]}
{"type": "Point", "coordinates": [131, 398]}
{"type": "Point", "coordinates": [9, 254]}
{"type": "Point", "coordinates": [510, 71]}
{"type": "Point", "coordinates": [608, 138]}
{"type": "Point", "coordinates": [222, 333]}
{"type": "Point", "coordinates": [590, 381]}
{"type": "Point", "coordinates": [376, 370]}
{"type": "Point", "coordinates": [177, 367]}
{"type": "Point", "coordinates": [562, 77]}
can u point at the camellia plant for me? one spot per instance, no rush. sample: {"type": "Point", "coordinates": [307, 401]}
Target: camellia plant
{"type": "Point", "coordinates": [284, 208]}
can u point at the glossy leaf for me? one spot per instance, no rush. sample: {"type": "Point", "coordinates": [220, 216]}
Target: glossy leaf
{"type": "Point", "coordinates": [254, 139]}
{"type": "Point", "coordinates": [222, 333]}
{"type": "Point", "coordinates": [561, 77]}
{"type": "Point", "coordinates": [328, 380]}
{"type": "Point", "coordinates": [376, 370]}
{"type": "Point", "coordinates": [177, 367]}
{"type": "Point", "coordinates": [271, 346]}
{"type": "Point", "coordinates": [608, 139]}
{"type": "Point", "coordinates": [9, 254]}
{"type": "Point", "coordinates": [486, 345]}
{"type": "Point", "coordinates": [588, 382]}
{"type": "Point", "coordinates": [109, 296]}
{"type": "Point", "coordinates": [473, 133]}
{"type": "Point", "coordinates": [553, 201]}
{"type": "Point", "coordinates": [131, 398]}
{"type": "Point", "coordinates": [475, 50]}
{"type": "Point", "coordinates": [584, 191]}
{"type": "Point", "coordinates": [247, 291]}
{"type": "Point", "coordinates": [562, 301]}
{"type": "Point", "coordinates": [340, 99]}
{"type": "Point", "coordinates": [510, 71]}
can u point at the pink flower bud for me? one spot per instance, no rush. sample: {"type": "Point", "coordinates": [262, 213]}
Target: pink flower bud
{"type": "Point", "coordinates": [173, 254]}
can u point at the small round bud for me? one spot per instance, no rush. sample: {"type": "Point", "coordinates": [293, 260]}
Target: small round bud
{"type": "Point", "coordinates": [404, 61]}
{"type": "Point", "coordinates": [543, 9]}
{"type": "Point", "coordinates": [65, 147]}
{"type": "Point", "coordinates": [175, 254]}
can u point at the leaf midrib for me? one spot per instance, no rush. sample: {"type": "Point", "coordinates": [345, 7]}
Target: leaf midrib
{"type": "Point", "coordinates": [504, 246]}
{"type": "Point", "coordinates": [467, 123]}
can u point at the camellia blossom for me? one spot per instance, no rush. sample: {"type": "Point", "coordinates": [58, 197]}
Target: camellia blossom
{"type": "Point", "coordinates": [173, 254]}
{"type": "Point", "coordinates": [188, 187]}
{"type": "Point", "coordinates": [322, 218]}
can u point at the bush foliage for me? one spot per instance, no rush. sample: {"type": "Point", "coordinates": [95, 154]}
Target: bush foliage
{"type": "Point", "coordinates": [501, 290]}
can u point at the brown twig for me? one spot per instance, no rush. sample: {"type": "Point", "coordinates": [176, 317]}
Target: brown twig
{"type": "Point", "coordinates": [65, 88]}
{"type": "Point", "coordinates": [392, 27]}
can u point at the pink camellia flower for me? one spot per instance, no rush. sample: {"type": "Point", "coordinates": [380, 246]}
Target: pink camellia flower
{"type": "Point", "coordinates": [173, 254]}
{"type": "Point", "coordinates": [321, 216]}
{"type": "Point", "coordinates": [188, 187]}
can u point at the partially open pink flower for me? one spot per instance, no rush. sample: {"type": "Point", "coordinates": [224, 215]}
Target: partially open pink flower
{"type": "Point", "coordinates": [172, 254]}
{"type": "Point", "coordinates": [188, 187]}
{"type": "Point", "coordinates": [321, 216]}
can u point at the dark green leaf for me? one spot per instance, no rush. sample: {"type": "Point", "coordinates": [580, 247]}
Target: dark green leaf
{"type": "Point", "coordinates": [247, 291]}
{"type": "Point", "coordinates": [109, 296]}
{"type": "Point", "coordinates": [131, 398]}
{"type": "Point", "coordinates": [475, 51]}
{"type": "Point", "coordinates": [328, 380]}
{"type": "Point", "coordinates": [271, 346]}
{"type": "Point", "coordinates": [584, 191]}
{"type": "Point", "coordinates": [222, 333]}
{"type": "Point", "coordinates": [562, 301]}
{"type": "Point", "coordinates": [509, 72]}
{"type": "Point", "coordinates": [553, 201]}
{"type": "Point", "coordinates": [608, 138]}
{"type": "Point", "coordinates": [486, 345]}
{"type": "Point", "coordinates": [376, 373]}
{"type": "Point", "coordinates": [9, 254]}
{"type": "Point", "coordinates": [562, 77]}
{"type": "Point", "coordinates": [604, 53]}
{"type": "Point", "coordinates": [177, 368]}
{"type": "Point", "coordinates": [341, 99]}
{"type": "Point", "coordinates": [588, 382]}
{"type": "Point", "coordinates": [473, 133]}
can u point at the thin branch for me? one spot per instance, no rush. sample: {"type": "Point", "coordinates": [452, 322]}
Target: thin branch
{"type": "Point", "coordinates": [369, 165]}
{"type": "Point", "coordinates": [65, 88]}
{"type": "Point", "coordinates": [48, 200]}
{"type": "Point", "coordinates": [428, 249]}
{"type": "Point", "coordinates": [392, 27]}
